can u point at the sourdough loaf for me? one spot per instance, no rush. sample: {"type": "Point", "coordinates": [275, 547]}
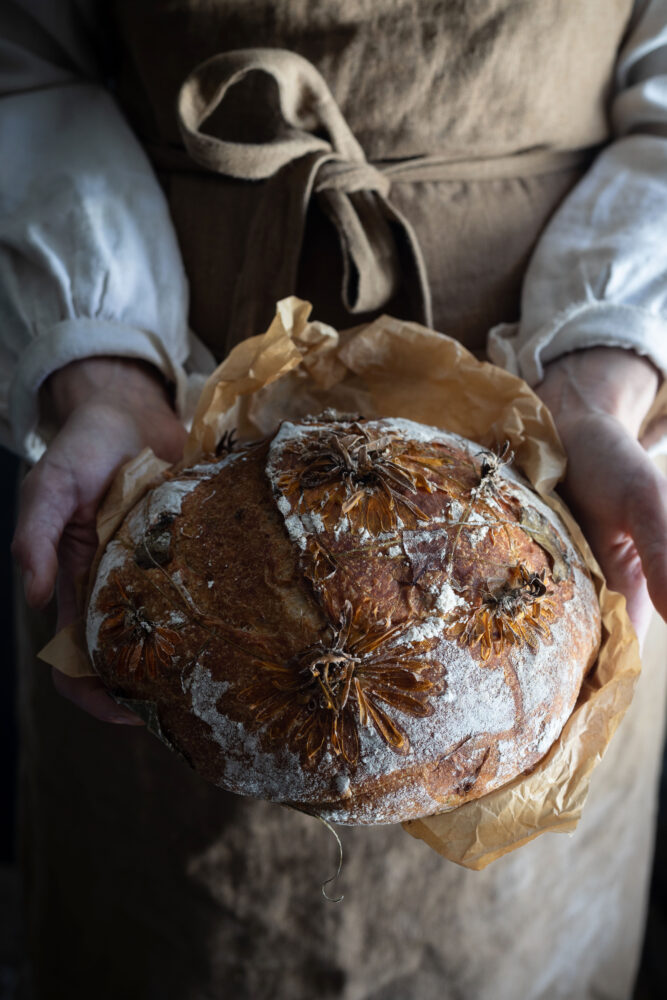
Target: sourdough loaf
{"type": "Point", "coordinates": [370, 620]}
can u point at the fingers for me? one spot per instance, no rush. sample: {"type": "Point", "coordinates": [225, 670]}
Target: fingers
{"type": "Point", "coordinates": [88, 693]}
{"type": "Point", "coordinates": [655, 432]}
{"type": "Point", "coordinates": [47, 501]}
{"type": "Point", "coordinates": [647, 522]}
{"type": "Point", "coordinates": [624, 574]}
{"type": "Point", "coordinates": [619, 498]}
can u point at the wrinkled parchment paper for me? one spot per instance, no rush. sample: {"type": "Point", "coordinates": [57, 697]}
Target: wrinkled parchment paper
{"type": "Point", "coordinates": [400, 369]}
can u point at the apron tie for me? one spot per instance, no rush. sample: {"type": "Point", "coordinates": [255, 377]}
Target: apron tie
{"type": "Point", "coordinates": [380, 250]}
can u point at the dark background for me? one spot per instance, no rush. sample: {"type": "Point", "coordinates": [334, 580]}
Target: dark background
{"type": "Point", "coordinates": [8, 735]}
{"type": "Point", "coordinates": [652, 982]}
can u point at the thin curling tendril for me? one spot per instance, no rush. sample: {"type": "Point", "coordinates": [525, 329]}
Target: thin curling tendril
{"type": "Point", "coordinates": [336, 875]}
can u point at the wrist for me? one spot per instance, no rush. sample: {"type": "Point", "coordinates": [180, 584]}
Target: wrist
{"type": "Point", "coordinates": [126, 383]}
{"type": "Point", "coordinates": [600, 381]}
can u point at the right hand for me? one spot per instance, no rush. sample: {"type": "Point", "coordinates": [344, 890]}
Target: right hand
{"type": "Point", "coordinates": [107, 410]}
{"type": "Point", "coordinates": [598, 398]}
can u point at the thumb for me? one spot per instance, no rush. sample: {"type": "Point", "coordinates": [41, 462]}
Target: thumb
{"type": "Point", "coordinates": [48, 499]}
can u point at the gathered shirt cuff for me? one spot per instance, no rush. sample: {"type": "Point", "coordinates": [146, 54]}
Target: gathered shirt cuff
{"type": "Point", "coordinates": [598, 324]}
{"type": "Point", "coordinates": [29, 433]}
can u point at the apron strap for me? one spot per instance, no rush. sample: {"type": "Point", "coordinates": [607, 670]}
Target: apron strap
{"type": "Point", "coordinates": [352, 192]}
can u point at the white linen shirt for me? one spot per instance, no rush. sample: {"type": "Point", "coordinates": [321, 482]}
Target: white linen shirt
{"type": "Point", "coordinates": [90, 265]}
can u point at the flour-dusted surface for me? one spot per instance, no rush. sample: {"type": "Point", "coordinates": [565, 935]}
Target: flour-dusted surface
{"type": "Point", "coordinates": [373, 621]}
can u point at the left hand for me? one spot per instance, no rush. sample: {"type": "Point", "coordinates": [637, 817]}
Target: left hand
{"type": "Point", "coordinates": [107, 409]}
{"type": "Point", "coordinates": [599, 398]}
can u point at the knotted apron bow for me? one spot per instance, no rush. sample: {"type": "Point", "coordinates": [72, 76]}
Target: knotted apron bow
{"type": "Point", "coordinates": [352, 192]}
{"type": "Point", "coordinates": [380, 251]}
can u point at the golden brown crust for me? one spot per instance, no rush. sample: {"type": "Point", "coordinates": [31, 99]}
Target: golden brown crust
{"type": "Point", "coordinates": [373, 621]}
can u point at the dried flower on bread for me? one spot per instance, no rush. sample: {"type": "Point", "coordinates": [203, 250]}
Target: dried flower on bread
{"type": "Point", "coordinates": [373, 479]}
{"type": "Point", "coordinates": [351, 679]}
{"type": "Point", "coordinates": [518, 612]}
{"type": "Point", "coordinates": [137, 646]}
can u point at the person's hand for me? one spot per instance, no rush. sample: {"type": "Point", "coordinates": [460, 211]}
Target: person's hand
{"type": "Point", "coordinates": [108, 410]}
{"type": "Point", "coordinates": [599, 398]}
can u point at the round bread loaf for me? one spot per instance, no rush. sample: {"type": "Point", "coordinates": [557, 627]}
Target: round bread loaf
{"type": "Point", "coordinates": [370, 620]}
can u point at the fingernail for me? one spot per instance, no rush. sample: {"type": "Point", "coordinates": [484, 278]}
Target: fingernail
{"type": "Point", "coordinates": [28, 578]}
{"type": "Point", "coordinates": [127, 720]}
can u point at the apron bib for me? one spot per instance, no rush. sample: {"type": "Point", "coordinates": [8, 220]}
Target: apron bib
{"type": "Point", "coordinates": [397, 156]}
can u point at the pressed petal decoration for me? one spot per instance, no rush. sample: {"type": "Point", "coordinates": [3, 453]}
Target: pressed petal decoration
{"type": "Point", "coordinates": [327, 694]}
{"type": "Point", "coordinates": [136, 646]}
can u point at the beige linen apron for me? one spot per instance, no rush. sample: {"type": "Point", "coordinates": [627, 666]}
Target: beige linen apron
{"type": "Point", "coordinates": [415, 180]}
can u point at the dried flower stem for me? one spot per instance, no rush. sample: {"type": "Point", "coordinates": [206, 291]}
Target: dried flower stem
{"type": "Point", "coordinates": [339, 868]}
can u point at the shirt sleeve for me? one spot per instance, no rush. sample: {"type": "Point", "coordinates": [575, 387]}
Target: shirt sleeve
{"type": "Point", "coordinates": [598, 276]}
{"type": "Point", "coordinates": [89, 261]}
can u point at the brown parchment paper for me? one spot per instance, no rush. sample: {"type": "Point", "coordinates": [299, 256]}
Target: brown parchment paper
{"type": "Point", "coordinates": [400, 369]}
